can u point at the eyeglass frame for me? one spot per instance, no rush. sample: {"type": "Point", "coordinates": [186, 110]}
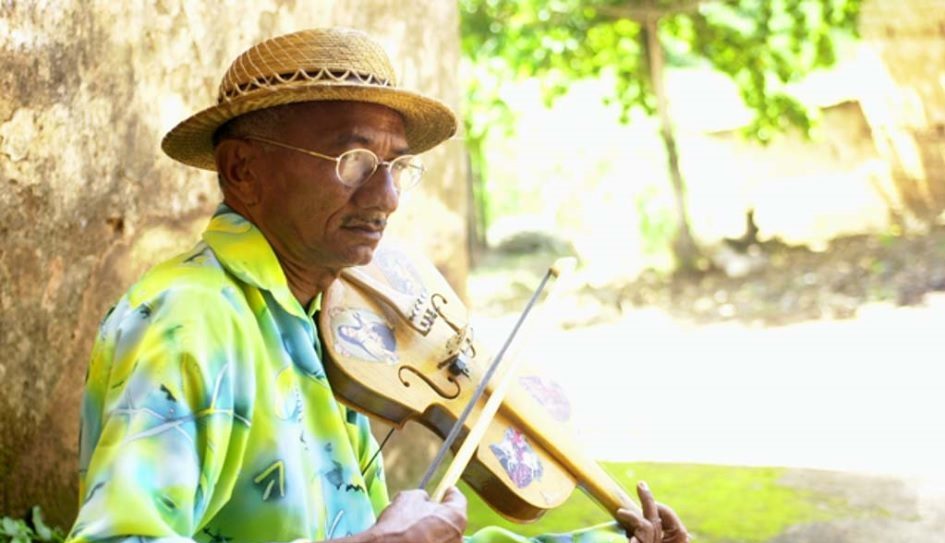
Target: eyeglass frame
{"type": "Point", "coordinates": [337, 161]}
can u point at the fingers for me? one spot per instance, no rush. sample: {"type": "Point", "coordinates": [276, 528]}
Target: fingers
{"type": "Point", "coordinates": [641, 529]}
{"type": "Point", "coordinates": [414, 516]}
{"type": "Point", "coordinates": [455, 502]}
{"type": "Point", "coordinates": [673, 529]}
{"type": "Point", "coordinates": [647, 502]}
{"type": "Point", "coordinates": [413, 494]}
{"type": "Point", "coordinates": [650, 510]}
{"type": "Point", "coordinates": [655, 523]}
{"type": "Point", "coordinates": [454, 498]}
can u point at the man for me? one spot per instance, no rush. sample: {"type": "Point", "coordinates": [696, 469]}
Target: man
{"type": "Point", "coordinates": [207, 413]}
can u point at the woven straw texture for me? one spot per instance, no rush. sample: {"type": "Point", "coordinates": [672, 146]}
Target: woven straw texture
{"type": "Point", "coordinates": [311, 65]}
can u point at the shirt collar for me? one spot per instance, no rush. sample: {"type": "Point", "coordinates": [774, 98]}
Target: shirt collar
{"type": "Point", "coordinates": [244, 252]}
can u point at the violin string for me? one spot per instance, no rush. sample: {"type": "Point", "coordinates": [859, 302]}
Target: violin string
{"type": "Point", "coordinates": [459, 424]}
{"type": "Point", "coordinates": [378, 451]}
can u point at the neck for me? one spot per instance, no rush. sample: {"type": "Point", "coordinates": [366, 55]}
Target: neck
{"type": "Point", "coordinates": [305, 283]}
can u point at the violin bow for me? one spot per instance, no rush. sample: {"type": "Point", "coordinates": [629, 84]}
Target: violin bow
{"type": "Point", "coordinates": [561, 267]}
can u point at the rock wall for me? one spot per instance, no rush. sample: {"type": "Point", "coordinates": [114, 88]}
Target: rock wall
{"type": "Point", "coordinates": [802, 191]}
{"type": "Point", "coordinates": [906, 107]}
{"type": "Point", "coordinates": [88, 201]}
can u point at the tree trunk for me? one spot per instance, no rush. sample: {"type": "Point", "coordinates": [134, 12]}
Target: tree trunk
{"type": "Point", "coordinates": [476, 219]}
{"type": "Point", "coordinates": [684, 247]}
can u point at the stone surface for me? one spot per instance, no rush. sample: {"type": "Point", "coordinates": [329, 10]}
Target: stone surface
{"type": "Point", "coordinates": [887, 508]}
{"type": "Point", "coordinates": [906, 108]}
{"type": "Point", "coordinates": [88, 201]}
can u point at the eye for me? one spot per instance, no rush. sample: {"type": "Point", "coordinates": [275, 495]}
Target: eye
{"type": "Point", "coordinates": [407, 170]}
{"type": "Point", "coordinates": [355, 166]}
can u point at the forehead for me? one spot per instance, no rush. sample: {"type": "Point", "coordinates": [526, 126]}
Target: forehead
{"type": "Point", "coordinates": [345, 121]}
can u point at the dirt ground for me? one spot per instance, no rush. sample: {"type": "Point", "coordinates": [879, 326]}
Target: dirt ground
{"type": "Point", "coordinates": [766, 283]}
{"type": "Point", "coordinates": [892, 509]}
{"type": "Point", "coordinates": [781, 284]}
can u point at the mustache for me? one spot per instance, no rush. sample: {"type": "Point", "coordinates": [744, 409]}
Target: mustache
{"type": "Point", "coordinates": [373, 221]}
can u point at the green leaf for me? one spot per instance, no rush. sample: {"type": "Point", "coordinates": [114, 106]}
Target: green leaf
{"type": "Point", "coordinates": [43, 532]}
{"type": "Point", "coordinates": [16, 529]}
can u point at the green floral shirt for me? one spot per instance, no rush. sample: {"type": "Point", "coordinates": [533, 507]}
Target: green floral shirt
{"type": "Point", "coordinates": [207, 415]}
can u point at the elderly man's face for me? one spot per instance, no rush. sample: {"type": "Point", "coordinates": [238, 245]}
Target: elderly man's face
{"type": "Point", "coordinates": [315, 220]}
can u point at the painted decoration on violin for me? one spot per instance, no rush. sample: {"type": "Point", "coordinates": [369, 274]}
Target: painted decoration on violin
{"type": "Point", "coordinates": [400, 273]}
{"type": "Point", "coordinates": [363, 335]}
{"type": "Point", "coordinates": [518, 458]}
{"type": "Point", "coordinates": [549, 394]}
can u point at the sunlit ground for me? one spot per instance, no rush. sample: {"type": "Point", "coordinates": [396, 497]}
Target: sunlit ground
{"type": "Point", "coordinates": [864, 394]}
{"type": "Point", "coordinates": [710, 415]}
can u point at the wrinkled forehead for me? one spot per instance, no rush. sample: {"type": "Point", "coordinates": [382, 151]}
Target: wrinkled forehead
{"type": "Point", "coordinates": [343, 123]}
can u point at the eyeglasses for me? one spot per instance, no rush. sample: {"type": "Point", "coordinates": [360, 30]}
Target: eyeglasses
{"type": "Point", "coordinates": [356, 166]}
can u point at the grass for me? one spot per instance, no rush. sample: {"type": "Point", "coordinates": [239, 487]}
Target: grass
{"type": "Point", "coordinates": [718, 504]}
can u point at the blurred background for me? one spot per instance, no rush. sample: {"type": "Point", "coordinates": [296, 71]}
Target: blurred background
{"type": "Point", "coordinates": [754, 192]}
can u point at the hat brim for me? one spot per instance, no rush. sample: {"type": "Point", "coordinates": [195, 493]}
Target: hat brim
{"type": "Point", "coordinates": [427, 122]}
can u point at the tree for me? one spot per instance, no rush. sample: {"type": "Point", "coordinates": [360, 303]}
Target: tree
{"type": "Point", "coordinates": [763, 45]}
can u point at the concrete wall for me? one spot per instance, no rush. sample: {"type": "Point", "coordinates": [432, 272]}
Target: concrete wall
{"type": "Point", "coordinates": [906, 107]}
{"type": "Point", "coordinates": [88, 201]}
{"type": "Point", "coordinates": [802, 190]}
{"type": "Point", "coordinates": [877, 159]}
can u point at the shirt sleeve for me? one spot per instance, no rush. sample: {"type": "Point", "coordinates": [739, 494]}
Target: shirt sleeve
{"type": "Point", "coordinates": [165, 418]}
{"type": "Point", "coordinates": [369, 459]}
{"type": "Point", "coordinates": [604, 533]}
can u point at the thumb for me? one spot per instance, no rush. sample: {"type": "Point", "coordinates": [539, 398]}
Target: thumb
{"type": "Point", "coordinates": [454, 498]}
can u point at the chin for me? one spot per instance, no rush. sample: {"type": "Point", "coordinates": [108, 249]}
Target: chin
{"type": "Point", "coordinates": [362, 256]}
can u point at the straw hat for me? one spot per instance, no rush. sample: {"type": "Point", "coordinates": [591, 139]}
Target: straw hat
{"type": "Point", "coordinates": [311, 65]}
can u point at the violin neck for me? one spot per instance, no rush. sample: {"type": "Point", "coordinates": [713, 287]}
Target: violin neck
{"type": "Point", "coordinates": [601, 487]}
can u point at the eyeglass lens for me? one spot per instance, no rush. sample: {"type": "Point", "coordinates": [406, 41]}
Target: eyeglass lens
{"type": "Point", "coordinates": [355, 166]}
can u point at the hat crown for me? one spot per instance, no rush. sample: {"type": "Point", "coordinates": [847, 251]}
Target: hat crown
{"type": "Point", "coordinates": [315, 56]}
{"type": "Point", "coordinates": [328, 64]}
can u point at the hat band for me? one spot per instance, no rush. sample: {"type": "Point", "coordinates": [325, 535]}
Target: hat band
{"type": "Point", "coordinates": [270, 82]}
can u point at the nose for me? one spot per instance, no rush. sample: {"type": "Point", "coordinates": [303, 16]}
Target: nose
{"type": "Point", "coordinates": [379, 192]}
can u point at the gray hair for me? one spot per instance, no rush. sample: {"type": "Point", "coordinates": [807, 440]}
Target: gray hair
{"type": "Point", "coordinates": [262, 122]}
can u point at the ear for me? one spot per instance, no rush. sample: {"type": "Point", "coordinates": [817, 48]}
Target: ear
{"type": "Point", "coordinates": [235, 160]}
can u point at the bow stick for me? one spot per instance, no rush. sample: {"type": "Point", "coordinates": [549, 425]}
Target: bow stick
{"type": "Point", "coordinates": [561, 267]}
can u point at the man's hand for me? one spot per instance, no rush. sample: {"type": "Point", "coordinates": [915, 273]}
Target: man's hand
{"type": "Point", "coordinates": [659, 524]}
{"type": "Point", "coordinates": [413, 517]}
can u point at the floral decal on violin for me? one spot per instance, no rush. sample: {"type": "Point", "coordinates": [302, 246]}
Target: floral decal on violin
{"type": "Point", "coordinates": [518, 458]}
{"type": "Point", "coordinates": [549, 394]}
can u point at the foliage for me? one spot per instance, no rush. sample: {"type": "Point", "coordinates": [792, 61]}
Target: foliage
{"type": "Point", "coordinates": [763, 45]}
{"type": "Point", "coordinates": [717, 503]}
{"type": "Point", "coordinates": [655, 219]}
{"type": "Point", "coordinates": [482, 95]}
{"type": "Point", "coordinates": [29, 529]}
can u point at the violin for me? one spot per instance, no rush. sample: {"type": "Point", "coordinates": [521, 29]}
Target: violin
{"type": "Point", "coordinates": [398, 346]}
